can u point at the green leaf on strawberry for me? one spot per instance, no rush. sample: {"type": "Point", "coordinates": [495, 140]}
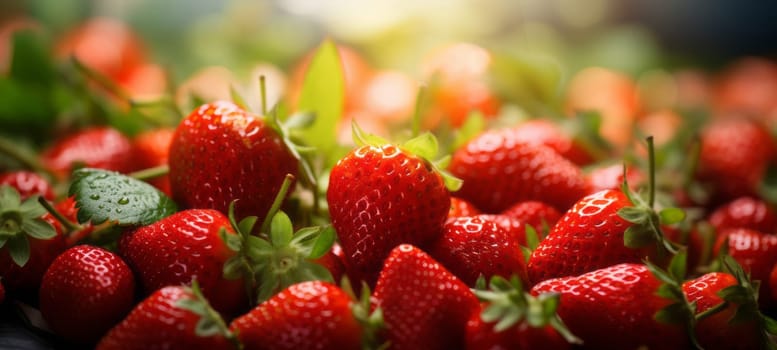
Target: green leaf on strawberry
{"type": "Point", "coordinates": [210, 322]}
{"type": "Point", "coordinates": [103, 195]}
{"type": "Point", "coordinates": [20, 220]}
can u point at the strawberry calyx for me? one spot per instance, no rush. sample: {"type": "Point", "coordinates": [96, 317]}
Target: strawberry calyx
{"type": "Point", "coordinates": [370, 319]}
{"type": "Point", "coordinates": [424, 146]}
{"type": "Point", "coordinates": [509, 304]}
{"type": "Point", "coordinates": [744, 295]}
{"type": "Point", "coordinates": [646, 221]}
{"type": "Point", "coordinates": [680, 311]}
{"type": "Point", "coordinates": [278, 256]}
{"type": "Point", "coordinates": [20, 220]}
{"type": "Point", "coordinates": [210, 322]}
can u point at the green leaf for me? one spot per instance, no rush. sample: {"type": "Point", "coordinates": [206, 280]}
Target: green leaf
{"type": "Point", "coordinates": [678, 265]}
{"type": "Point", "coordinates": [637, 236]}
{"type": "Point", "coordinates": [634, 215]}
{"type": "Point", "coordinates": [672, 314]}
{"type": "Point", "coordinates": [770, 325]}
{"type": "Point", "coordinates": [509, 319]}
{"type": "Point", "coordinates": [233, 268]}
{"type": "Point", "coordinates": [473, 126]}
{"type": "Point", "coordinates": [237, 98]}
{"type": "Point", "coordinates": [258, 248]}
{"type": "Point", "coordinates": [233, 241]}
{"type": "Point", "coordinates": [247, 224]}
{"type": "Point", "coordinates": [323, 92]}
{"type": "Point", "coordinates": [38, 228]}
{"type": "Point", "coordinates": [206, 327]}
{"type": "Point", "coordinates": [324, 242]}
{"type": "Point", "coordinates": [281, 230]}
{"type": "Point", "coordinates": [492, 313]}
{"type": "Point", "coordinates": [532, 240]}
{"type": "Point", "coordinates": [30, 208]}
{"type": "Point", "coordinates": [103, 195]}
{"type": "Point", "coordinates": [9, 198]}
{"type": "Point", "coordinates": [300, 120]}
{"type": "Point", "coordinates": [362, 138]}
{"type": "Point", "coordinates": [19, 249]}
{"type": "Point", "coordinates": [31, 58]}
{"type": "Point", "coordinates": [193, 305]}
{"type": "Point", "coordinates": [452, 183]}
{"type": "Point", "coordinates": [424, 146]}
{"type": "Point", "coordinates": [671, 216]}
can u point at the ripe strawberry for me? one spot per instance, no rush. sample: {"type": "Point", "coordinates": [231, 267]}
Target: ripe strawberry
{"type": "Point", "coordinates": [152, 149]}
{"type": "Point", "coordinates": [534, 213]}
{"type": "Point", "coordinates": [500, 170]}
{"type": "Point", "coordinates": [180, 247]}
{"type": "Point", "coordinates": [545, 132]}
{"type": "Point", "coordinates": [381, 195]}
{"type": "Point", "coordinates": [756, 252]}
{"type": "Point", "coordinates": [28, 184]}
{"type": "Point", "coordinates": [170, 318]}
{"type": "Point", "coordinates": [95, 147]}
{"type": "Point", "coordinates": [333, 260]}
{"type": "Point", "coordinates": [515, 227]}
{"type": "Point", "coordinates": [308, 315]}
{"type": "Point", "coordinates": [221, 153]}
{"type": "Point", "coordinates": [424, 305]}
{"type": "Point", "coordinates": [614, 308]}
{"type": "Point", "coordinates": [735, 153]}
{"type": "Point", "coordinates": [86, 291]}
{"type": "Point", "coordinates": [611, 177]}
{"type": "Point", "coordinates": [482, 336]}
{"type": "Point", "coordinates": [460, 207]}
{"type": "Point", "coordinates": [30, 239]}
{"type": "Point", "coordinates": [474, 246]}
{"type": "Point", "coordinates": [67, 207]}
{"type": "Point", "coordinates": [745, 212]}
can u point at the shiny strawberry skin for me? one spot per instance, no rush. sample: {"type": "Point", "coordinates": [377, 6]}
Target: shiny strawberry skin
{"type": "Point", "coordinates": [26, 280]}
{"type": "Point", "coordinates": [158, 323]}
{"type": "Point", "coordinates": [756, 252]}
{"type": "Point", "coordinates": [460, 207]}
{"type": "Point", "coordinates": [424, 305]}
{"type": "Point", "coordinates": [745, 212]}
{"type": "Point", "coordinates": [499, 170]}
{"type": "Point", "coordinates": [180, 247]}
{"type": "Point", "coordinates": [221, 153]}
{"type": "Point", "coordinates": [588, 237]}
{"type": "Point", "coordinates": [28, 184]}
{"type": "Point", "coordinates": [471, 246]}
{"type": "Point", "coordinates": [735, 153]}
{"type": "Point", "coordinates": [86, 291]}
{"type": "Point", "coordinates": [96, 147]}
{"type": "Point", "coordinates": [534, 213]}
{"type": "Point", "coordinates": [380, 197]}
{"type": "Point", "coordinates": [545, 132]}
{"type": "Point", "coordinates": [715, 332]}
{"type": "Point", "coordinates": [152, 148]}
{"type": "Point", "coordinates": [613, 308]}
{"type": "Point", "coordinates": [480, 335]}
{"type": "Point", "coordinates": [308, 315]}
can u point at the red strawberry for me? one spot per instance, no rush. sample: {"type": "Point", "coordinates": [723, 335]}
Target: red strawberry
{"type": "Point", "coordinates": [534, 213]}
{"type": "Point", "coordinates": [31, 239]}
{"type": "Point", "coordinates": [614, 308]}
{"type": "Point", "coordinates": [424, 305]}
{"type": "Point", "coordinates": [333, 260]}
{"type": "Point", "coordinates": [86, 291]}
{"type": "Point", "coordinates": [28, 184]}
{"type": "Point", "coordinates": [756, 252]}
{"type": "Point", "coordinates": [382, 195]}
{"type": "Point", "coordinates": [96, 147]}
{"type": "Point", "coordinates": [474, 246]}
{"type": "Point", "coordinates": [163, 321]}
{"type": "Point", "coordinates": [735, 153]}
{"type": "Point", "coordinates": [545, 132]}
{"type": "Point", "coordinates": [67, 207]}
{"type": "Point", "coordinates": [745, 212]}
{"type": "Point", "coordinates": [221, 153]}
{"type": "Point", "coordinates": [460, 207]}
{"type": "Point", "coordinates": [183, 246]}
{"type": "Point", "coordinates": [590, 236]}
{"type": "Point", "coordinates": [152, 149]}
{"type": "Point", "coordinates": [500, 170]}
{"type": "Point", "coordinates": [307, 315]}
{"type": "Point", "coordinates": [482, 336]}
{"type": "Point", "coordinates": [611, 177]}
{"type": "Point", "coordinates": [514, 227]}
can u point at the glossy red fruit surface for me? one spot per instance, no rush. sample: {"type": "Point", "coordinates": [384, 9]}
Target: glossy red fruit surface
{"type": "Point", "coordinates": [95, 147]}
{"type": "Point", "coordinates": [28, 184]}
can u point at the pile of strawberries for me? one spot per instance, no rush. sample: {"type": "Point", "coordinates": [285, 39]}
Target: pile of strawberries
{"type": "Point", "coordinates": [229, 231]}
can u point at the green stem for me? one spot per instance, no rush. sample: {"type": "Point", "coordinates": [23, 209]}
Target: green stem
{"type": "Point", "coordinates": [652, 174]}
{"type": "Point", "coordinates": [151, 173]}
{"type": "Point", "coordinates": [276, 204]}
{"type": "Point", "coordinates": [26, 159]}
{"type": "Point", "coordinates": [417, 112]}
{"type": "Point", "coordinates": [69, 225]}
{"type": "Point", "coordinates": [263, 93]}
{"type": "Point", "coordinates": [101, 79]}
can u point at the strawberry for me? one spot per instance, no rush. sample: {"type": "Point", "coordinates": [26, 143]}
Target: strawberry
{"type": "Point", "coordinates": [67, 207]}
{"type": "Point", "coordinates": [500, 170]}
{"type": "Point", "coordinates": [745, 212]}
{"type": "Point", "coordinates": [152, 148]}
{"type": "Point", "coordinates": [534, 213]}
{"type": "Point", "coordinates": [381, 195]}
{"type": "Point", "coordinates": [473, 246]}
{"type": "Point", "coordinates": [28, 184]}
{"type": "Point", "coordinates": [183, 246]}
{"type": "Point", "coordinates": [545, 132]}
{"type": "Point", "coordinates": [734, 156]}
{"type": "Point", "coordinates": [756, 252]}
{"type": "Point", "coordinates": [221, 153]}
{"type": "Point", "coordinates": [460, 207]}
{"type": "Point", "coordinates": [611, 177]}
{"type": "Point", "coordinates": [173, 317]}
{"type": "Point", "coordinates": [307, 315]}
{"type": "Point", "coordinates": [424, 305]}
{"type": "Point", "coordinates": [95, 147]}
{"type": "Point", "coordinates": [333, 260]}
{"type": "Point", "coordinates": [30, 239]}
{"type": "Point", "coordinates": [515, 227]}
{"type": "Point", "coordinates": [86, 291]}
{"type": "Point", "coordinates": [614, 308]}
